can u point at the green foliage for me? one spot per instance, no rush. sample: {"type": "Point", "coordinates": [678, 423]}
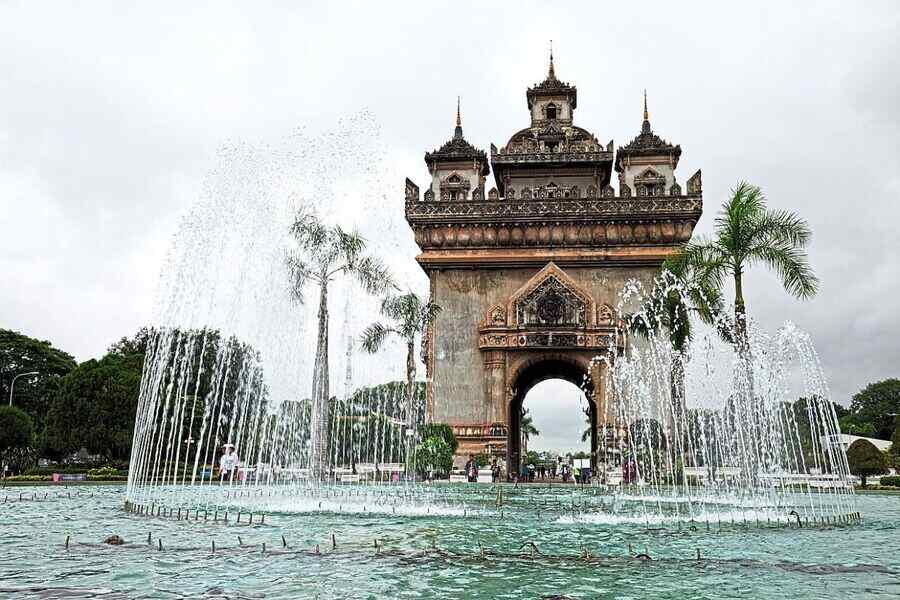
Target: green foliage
{"type": "Point", "coordinates": [434, 455]}
{"type": "Point", "coordinates": [877, 405]}
{"type": "Point", "coordinates": [892, 481]}
{"type": "Point", "coordinates": [16, 430]}
{"type": "Point", "coordinates": [95, 405]}
{"type": "Point", "coordinates": [854, 425]}
{"type": "Point", "coordinates": [105, 471]}
{"type": "Point", "coordinates": [865, 459]}
{"type": "Point", "coordinates": [441, 430]}
{"type": "Point", "coordinates": [22, 354]}
{"type": "Point", "coordinates": [16, 435]}
{"type": "Point", "coordinates": [136, 344]}
{"type": "Point", "coordinates": [798, 413]}
{"type": "Point", "coordinates": [526, 426]}
{"type": "Point", "coordinates": [482, 460]}
{"type": "Point", "coordinates": [410, 315]}
{"type": "Point", "coordinates": [895, 441]}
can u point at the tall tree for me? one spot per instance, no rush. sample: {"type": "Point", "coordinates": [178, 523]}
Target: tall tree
{"type": "Point", "coordinates": [878, 404]}
{"type": "Point", "coordinates": [527, 429]}
{"type": "Point", "coordinates": [747, 233]}
{"type": "Point", "coordinates": [323, 254]}
{"type": "Point", "coordinates": [16, 436]}
{"type": "Point", "coordinates": [94, 407]}
{"type": "Point", "coordinates": [136, 344]}
{"type": "Point", "coordinates": [410, 316]}
{"type": "Point", "coordinates": [22, 354]}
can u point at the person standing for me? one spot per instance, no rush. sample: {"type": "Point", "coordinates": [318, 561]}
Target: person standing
{"type": "Point", "coordinates": [472, 470]}
{"type": "Point", "coordinates": [228, 463]}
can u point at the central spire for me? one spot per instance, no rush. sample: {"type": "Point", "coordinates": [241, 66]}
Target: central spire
{"type": "Point", "coordinates": [551, 74]}
{"type": "Point", "coordinates": [645, 126]}
{"type": "Point", "coordinates": [458, 133]}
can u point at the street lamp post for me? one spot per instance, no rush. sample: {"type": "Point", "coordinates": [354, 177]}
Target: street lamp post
{"type": "Point", "coordinates": [12, 386]}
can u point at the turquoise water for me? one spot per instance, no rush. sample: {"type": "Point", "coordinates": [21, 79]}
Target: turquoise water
{"type": "Point", "coordinates": [432, 555]}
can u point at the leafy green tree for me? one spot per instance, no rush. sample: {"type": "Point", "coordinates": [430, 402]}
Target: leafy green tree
{"type": "Point", "coordinates": [441, 430]}
{"type": "Point", "coordinates": [323, 254]}
{"type": "Point", "coordinates": [16, 434]}
{"type": "Point", "coordinates": [877, 405]}
{"type": "Point", "coordinates": [410, 317]}
{"type": "Point", "coordinates": [747, 233]}
{"type": "Point", "coordinates": [434, 456]}
{"type": "Point", "coordinates": [865, 459]}
{"type": "Point", "coordinates": [22, 354]}
{"type": "Point", "coordinates": [136, 344]}
{"type": "Point", "coordinates": [94, 407]}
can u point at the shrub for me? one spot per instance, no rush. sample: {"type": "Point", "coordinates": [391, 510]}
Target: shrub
{"type": "Point", "coordinates": [103, 472]}
{"type": "Point", "coordinates": [434, 454]}
{"type": "Point", "coordinates": [865, 459]}
{"type": "Point", "coordinates": [893, 481]}
{"type": "Point", "coordinates": [441, 430]}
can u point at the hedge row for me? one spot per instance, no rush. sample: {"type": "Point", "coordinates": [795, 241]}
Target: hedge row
{"type": "Point", "coordinates": [90, 477]}
{"type": "Point", "coordinates": [893, 481]}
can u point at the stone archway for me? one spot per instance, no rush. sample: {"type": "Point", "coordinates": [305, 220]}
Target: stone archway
{"type": "Point", "coordinates": [530, 372]}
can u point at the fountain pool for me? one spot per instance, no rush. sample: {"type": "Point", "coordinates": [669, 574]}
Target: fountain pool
{"type": "Point", "coordinates": [436, 555]}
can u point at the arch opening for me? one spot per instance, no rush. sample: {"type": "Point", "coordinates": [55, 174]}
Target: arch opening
{"type": "Point", "coordinates": [576, 399]}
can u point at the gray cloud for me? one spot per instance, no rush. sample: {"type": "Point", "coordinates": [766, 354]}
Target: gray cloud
{"type": "Point", "coordinates": [110, 118]}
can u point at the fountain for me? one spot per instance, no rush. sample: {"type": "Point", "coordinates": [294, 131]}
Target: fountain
{"type": "Point", "coordinates": [232, 361]}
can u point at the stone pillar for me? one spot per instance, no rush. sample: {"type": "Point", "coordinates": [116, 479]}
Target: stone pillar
{"type": "Point", "coordinates": [603, 417]}
{"type": "Point", "coordinates": [495, 386]}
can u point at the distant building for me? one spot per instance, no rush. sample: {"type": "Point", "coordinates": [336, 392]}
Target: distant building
{"type": "Point", "coordinates": [845, 439]}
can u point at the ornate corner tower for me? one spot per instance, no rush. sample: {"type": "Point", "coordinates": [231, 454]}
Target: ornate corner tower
{"type": "Point", "coordinates": [528, 273]}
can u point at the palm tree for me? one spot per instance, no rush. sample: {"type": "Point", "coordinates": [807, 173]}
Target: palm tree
{"type": "Point", "coordinates": [322, 255]}
{"type": "Point", "coordinates": [526, 429]}
{"type": "Point", "coordinates": [411, 316]}
{"type": "Point", "coordinates": [748, 233]}
{"type": "Point", "coordinates": [666, 308]}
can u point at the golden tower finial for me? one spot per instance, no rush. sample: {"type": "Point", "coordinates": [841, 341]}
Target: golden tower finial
{"type": "Point", "coordinates": [551, 74]}
{"type": "Point", "coordinates": [458, 119]}
{"type": "Point", "coordinates": [646, 114]}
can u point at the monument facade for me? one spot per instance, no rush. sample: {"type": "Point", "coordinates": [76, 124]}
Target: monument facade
{"type": "Point", "coordinates": [527, 267]}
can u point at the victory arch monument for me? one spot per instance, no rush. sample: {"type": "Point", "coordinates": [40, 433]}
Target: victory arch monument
{"type": "Point", "coordinates": [527, 267]}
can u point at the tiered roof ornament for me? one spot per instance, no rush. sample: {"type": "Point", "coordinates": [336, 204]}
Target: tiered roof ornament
{"type": "Point", "coordinates": [458, 149]}
{"type": "Point", "coordinates": [551, 86]}
{"type": "Point", "coordinates": [647, 143]}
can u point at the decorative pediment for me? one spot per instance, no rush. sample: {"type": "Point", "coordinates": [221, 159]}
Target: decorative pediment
{"type": "Point", "coordinates": [496, 316]}
{"type": "Point", "coordinates": [551, 298]}
{"type": "Point", "coordinates": [649, 176]}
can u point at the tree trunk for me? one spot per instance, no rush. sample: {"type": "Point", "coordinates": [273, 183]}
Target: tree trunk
{"type": "Point", "coordinates": [319, 422]}
{"type": "Point", "coordinates": [677, 385]}
{"type": "Point", "coordinates": [410, 398]}
{"type": "Point", "coordinates": [744, 380]}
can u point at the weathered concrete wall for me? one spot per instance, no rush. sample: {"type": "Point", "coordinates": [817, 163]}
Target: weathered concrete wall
{"type": "Point", "coordinates": [466, 295]}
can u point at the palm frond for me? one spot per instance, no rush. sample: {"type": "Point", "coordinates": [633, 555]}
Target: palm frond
{"type": "Point", "coordinates": [372, 274]}
{"type": "Point", "coordinates": [781, 226]}
{"type": "Point", "coordinates": [374, 336]}
{"type": "Point", "coordinates": [792, 266]}
{"type": "Point", "coordinates": [300, 275]}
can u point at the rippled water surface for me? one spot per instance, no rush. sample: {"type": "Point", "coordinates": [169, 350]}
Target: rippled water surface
{"type": "Point", "coordinates": [431, 556]}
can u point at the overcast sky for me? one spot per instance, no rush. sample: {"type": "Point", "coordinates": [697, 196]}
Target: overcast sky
{"type": "Point", "coordinates": [111, 117]}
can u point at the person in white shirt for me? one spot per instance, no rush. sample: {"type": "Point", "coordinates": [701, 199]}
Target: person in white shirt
{"type": "Point", "coordinates": [228, 463]}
